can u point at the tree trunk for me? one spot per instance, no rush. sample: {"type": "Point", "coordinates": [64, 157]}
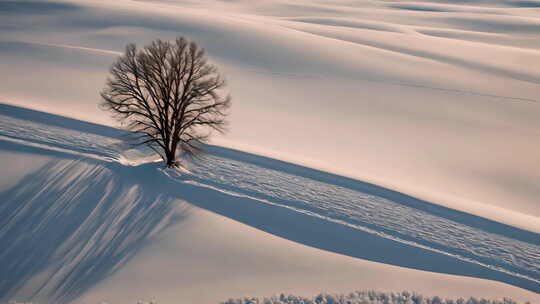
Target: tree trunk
{"type": "Point", "coordinates": [171, 157]}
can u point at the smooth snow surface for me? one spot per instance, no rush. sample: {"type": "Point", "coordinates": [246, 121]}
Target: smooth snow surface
{"type": "Point", "coordinates": [437, 99]}
{"type": "Point", "coordinates": [95, 222]}
{"type": "Point", "coordinates": [435, 104]}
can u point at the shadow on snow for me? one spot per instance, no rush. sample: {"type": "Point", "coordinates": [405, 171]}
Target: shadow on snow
{"type": "Point", "coordinates": [75, 221]}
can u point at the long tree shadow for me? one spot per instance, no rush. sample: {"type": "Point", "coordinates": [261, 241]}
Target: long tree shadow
{"type": "Point", "coordinates": [74, 222]}
{"type": "Point", "coordinates": [433, 208]}
{"type": "Point", "coordinates": [336, 237]}
{"type": "Point", "coordinates": [77, 220]}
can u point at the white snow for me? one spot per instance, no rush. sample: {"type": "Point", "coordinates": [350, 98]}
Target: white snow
{"type": "Point", "coordinates": [435, 99]}
{"type": "Point", "coordinates": [90, 221]}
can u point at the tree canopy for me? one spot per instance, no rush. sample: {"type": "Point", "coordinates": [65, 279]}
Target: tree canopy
{"type": "Point", "coordinates": [168, 95]}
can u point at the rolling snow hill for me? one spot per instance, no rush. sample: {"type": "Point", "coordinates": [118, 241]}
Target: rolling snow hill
{"type": "Point", "coordinates": [373, 144]}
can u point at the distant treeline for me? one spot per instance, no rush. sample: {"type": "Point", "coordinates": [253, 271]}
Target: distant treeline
{"type": "Point", "coordinates": [366, 297]}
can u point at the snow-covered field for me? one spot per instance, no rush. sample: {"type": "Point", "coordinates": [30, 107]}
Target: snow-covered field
{"type": "Point", "coordinates": [438, 100]}
{"type": "Point", "coordinates": [91, 218]}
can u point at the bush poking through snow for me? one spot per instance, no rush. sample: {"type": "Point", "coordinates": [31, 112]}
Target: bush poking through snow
{"type": "Point", "coordinates": [365, 297]}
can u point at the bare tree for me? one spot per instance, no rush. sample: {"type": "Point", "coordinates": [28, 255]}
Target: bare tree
{"type": "Point", "coordinates": [168, 95]}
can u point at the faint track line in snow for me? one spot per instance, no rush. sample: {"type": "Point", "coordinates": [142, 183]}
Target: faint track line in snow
{"type": "Point", "coordinates": [396, 83]}
{"type": "Point", "coordinates": [373, 214]}
{"type": "Point", "coordinates": [365, 229]}
{"type": "Point", "coordinates": [313, 76]}
{"type": "Point", "coordinates": [73, 47]}
{"type": "Point", "coordinates": [52, 148]}
{"type": "Point", "coordinates": [58, 139]}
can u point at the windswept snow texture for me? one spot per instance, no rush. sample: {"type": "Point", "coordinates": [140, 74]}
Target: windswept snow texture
{"type": "Point", "coordinates": [242, 186]}
{"type": "Point", "coordinates": [368, 210]}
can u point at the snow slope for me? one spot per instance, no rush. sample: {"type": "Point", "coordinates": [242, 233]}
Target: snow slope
{"type": "Point", "coordinates": [434, 104]}
{"type": "Point", "coordinates": [437, 99]}
{"type": "Point", "coordinates": [91, 221]}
